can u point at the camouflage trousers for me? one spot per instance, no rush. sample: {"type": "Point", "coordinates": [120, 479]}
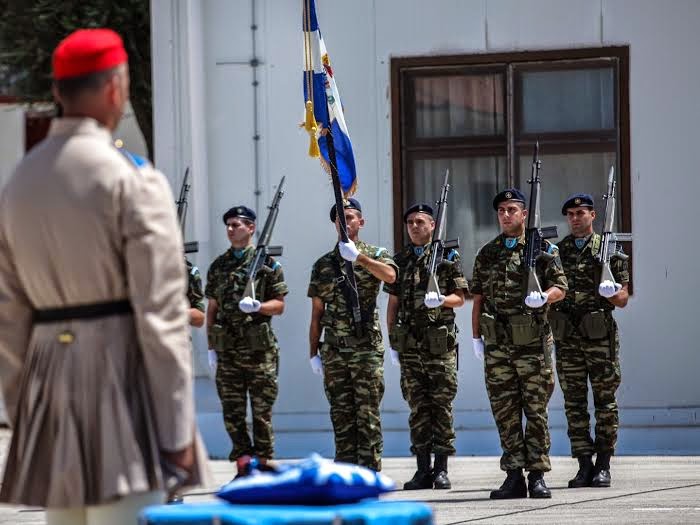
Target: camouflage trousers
{"type": "Point", "coordinates": [243, 374]}
{"type": "Point", "coordinates": [581, 360]}
{"type": "Point", "coordinates": [353, 380]}
{"type": "Point", "coordinates": [429, 386]}
{"type": "Point", "coordinates": [520, 382]}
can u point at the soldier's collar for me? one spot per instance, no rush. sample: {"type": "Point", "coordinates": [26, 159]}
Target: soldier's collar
{"type": "Point", "coordinates": [419, 250]}
{"type": "Point", "coordinates": [581, 242]}
{"type": "Point", "coordinates": [239, 253]}
{"type": "Point", "coordinates": [512, 242]}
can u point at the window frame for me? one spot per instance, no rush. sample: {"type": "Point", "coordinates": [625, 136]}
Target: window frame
{"type": "Point", "coordinates": [404, 68]}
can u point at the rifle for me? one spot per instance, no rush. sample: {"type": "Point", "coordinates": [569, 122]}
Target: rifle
{"type": "Point", "coordinates": [438, 245]}
{"type": "Point", "coordinates": [535, 234]}
{"type": "Point", "coordinates": [182, 206]}
{"type": "Point", "coordinates": [609, 246]}
{"type": "Point", "coordinates": [262, 250]}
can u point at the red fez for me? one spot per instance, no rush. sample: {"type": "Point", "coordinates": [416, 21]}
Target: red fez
{"type": "Point", "coordinates": [87, 51]}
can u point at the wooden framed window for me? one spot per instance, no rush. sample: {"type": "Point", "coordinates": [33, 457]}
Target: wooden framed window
{"type": "Point", "coordinates": [480, 115]}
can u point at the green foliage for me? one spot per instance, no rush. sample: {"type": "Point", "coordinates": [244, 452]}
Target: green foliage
{"type": "Point", "coordinates": [31, 29]}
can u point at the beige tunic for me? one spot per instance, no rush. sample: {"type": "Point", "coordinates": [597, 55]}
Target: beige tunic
{"type": "Point", "coordinates": [80, 224]}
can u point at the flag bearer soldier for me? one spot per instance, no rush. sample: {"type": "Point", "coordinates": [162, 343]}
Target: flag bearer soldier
{"type": "Point", "coordinates": [352, 365]}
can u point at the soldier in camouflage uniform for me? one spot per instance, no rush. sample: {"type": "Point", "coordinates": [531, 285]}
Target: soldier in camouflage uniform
{"type": "Point", "coordinates": [352, 365]}
{"type": "Point", "coordinates": [587, 343]}
{"type": "Point", "coordinates": [424, 335]}
{"type": "Point", "coordinates": [517, 345]}
{"type": "Point", "coordinates": [195, 296]}
{"type": "Point", "coordinates": [239, 331]}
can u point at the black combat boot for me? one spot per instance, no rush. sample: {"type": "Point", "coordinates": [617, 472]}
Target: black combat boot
{"type": "Point", "coordinates": [423, 478]}
{"type": "Point", "coordinates": [584, 475]}
{"type": "Point", "coordinates": [536, 485]}
{"type": "Point", "coordinates": [601, 471]}
{"type": "Point", "coordinates": [440, 479]}
{"type": "Point", "coordinates": [513, 487]}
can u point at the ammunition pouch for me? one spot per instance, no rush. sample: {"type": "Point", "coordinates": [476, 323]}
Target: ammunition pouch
{"type": "Point", "coordinates": [561, 325]}
{"type": "Point", "coordinates": [525, 331]}
{"type": "Point", "coordinates": [594, 325]}
{"type": "Point", "coordinates": [398, 337]}
{"type": "Point", "coordinates": [440, 339]}
{"type": "Point", "coordinates": [487, 326]}
{"type": "Point", "coordinates": [215, 337]}
{"type": "Point", "coordinates": [260, 337]}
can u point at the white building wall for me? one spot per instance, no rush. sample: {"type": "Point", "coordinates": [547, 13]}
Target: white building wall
{"type": "Point", "coordinates": [659, 397]}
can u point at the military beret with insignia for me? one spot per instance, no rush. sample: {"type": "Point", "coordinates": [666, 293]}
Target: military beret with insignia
{"type": "Point", "coordinates": [348, 204]}
{"type": "Point", "coordinates": [241, 212]}
{"type": "Point", "coordinates": [577, 200]}
{"type": "Point", "coordinates": [418, 208]}
{"type": "Point", "coordinates": [511, 194]}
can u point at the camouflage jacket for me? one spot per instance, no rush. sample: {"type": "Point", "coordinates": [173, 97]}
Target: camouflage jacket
{"type": "Point", "coordinates": [500, 276]}
{"type": "Point", "coordinates": [226, 281]}
{"type": "Point", "coordinates": [412, 283]}
{"type": "Point", "coordinates": [326, 283]}
{"type": "Point", "coordinates": [583, 274]}
{"type": "Point", "coordinates": [194, 287]}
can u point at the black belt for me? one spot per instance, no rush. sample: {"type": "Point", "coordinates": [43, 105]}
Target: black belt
{"type": "Point", "coordinates": [83, 311]}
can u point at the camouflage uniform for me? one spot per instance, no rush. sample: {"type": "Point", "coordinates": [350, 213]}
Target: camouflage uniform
{"type": "Point", "coordinates": [518, 345]}
{"type": "Point", "coordinates": [428, 375]}
{"type": "Point", "coordinates": [353, 367]}
{"type": "Point", "coordinates": [194, 287]}
{"type": "Point", "coordinates": [583, 354]}
{"type": "Point", "coordinates": [246, 349]}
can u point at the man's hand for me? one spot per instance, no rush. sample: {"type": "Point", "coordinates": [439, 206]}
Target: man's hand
{"type": "Point", "coordinates": [433, 300]}
{"type": "Point", "coordinates": [609, 288]}
{"type": "Point", "coordinates": [478, 344]}
{"type": "Point", "coordinates": [394, 355]}
{"type": "Point", "coordinates": [183, 459]}
{"type": "Point", "coordinates": [316, 365]}
{"type": "Point", "coordinates": [249, 305]}
{"type": "Point", "coordinates": [536, 299]}
{"type": "Point", "coordinates": [211, 355]}
{"type": "Point", "coordinates": [348, 251]}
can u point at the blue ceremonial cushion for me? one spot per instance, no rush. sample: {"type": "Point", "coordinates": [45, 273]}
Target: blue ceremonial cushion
{"type": "Point", "coordinates": [372, 512]}
{"type": "Point", "coordinates": [313, 481]}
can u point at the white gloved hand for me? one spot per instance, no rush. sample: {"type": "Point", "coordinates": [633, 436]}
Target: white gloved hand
{"type": "Point", "coordinates": [536, 299]}
{"type": "Point", "coordinates": [433, 299]}
{"type": "Point", "coordinates": [316, 365]}
{"type": "Point", "coordinates": [394, 357]}
{"type": "Point", "coordinates": [211, 354]}
{"type": "Point", "coordinates": [348, 251]}
{"type": "Point", "coordinates": [478, 344]}
{"type": "Point", "coordinates": [609, 288]}
{"type": "Point", "coordinates": [249, 305]}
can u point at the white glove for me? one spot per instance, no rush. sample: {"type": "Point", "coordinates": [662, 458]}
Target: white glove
{"type": "Point", "coordinates": [609, 288]}
{"type": "Point", "coordinates": [249, 305]}
{"type": "Point", "coordinates": [478, 344]}
{"type": "Point", "coordinates": [348, 251]}
{"type": "Point", "coordinates": [316, 365]}
{"type": "Point", "coordinates": [536, 299]}
{"type": "Point", "coordinates": [394, 357]}
{"type": "Point", "coordinates": [433, 299]}
{"type": "Point", "coordinates": [211, 354]}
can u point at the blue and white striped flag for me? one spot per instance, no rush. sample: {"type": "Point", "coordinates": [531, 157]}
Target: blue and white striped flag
{"type": "Point", "coordinates": [324, 110]}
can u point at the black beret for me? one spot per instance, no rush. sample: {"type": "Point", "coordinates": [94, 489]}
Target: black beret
{"type": "Point", "coordinates": [576, 200]}
{"type": "Point", "coordinates": [511, 194]}
{"type": "Point", "coordinates": [349, 204]}
{"type": "Point", "coordinates": [420, 207]}
{"type": "Point", "coordinates": [242, 212]}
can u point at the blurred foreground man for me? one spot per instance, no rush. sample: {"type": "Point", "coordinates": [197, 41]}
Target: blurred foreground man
{"type": "Point", "coordinates": [94, 343]}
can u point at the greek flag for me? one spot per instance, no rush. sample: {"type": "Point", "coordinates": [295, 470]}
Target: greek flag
{"type": "Point", "coordinates": [324, 110]}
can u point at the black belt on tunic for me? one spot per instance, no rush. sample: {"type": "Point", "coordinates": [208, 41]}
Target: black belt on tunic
{"type": "Point", "coordinates": [83, 311]}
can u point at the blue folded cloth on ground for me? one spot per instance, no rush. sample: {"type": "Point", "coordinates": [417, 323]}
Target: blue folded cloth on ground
{"type": "Point", "coordinates": [312, 481]}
